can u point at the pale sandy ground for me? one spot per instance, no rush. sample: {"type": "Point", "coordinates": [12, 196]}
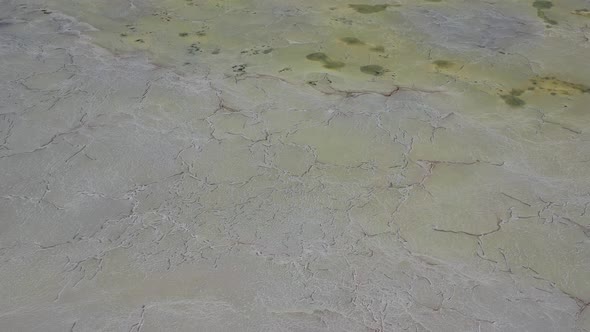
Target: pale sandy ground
{"type": "Point", "coordinates": [222, 181]}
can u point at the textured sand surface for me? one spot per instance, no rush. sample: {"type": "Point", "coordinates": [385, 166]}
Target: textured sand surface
{"type": "Point", "coordinates": [194, 165]}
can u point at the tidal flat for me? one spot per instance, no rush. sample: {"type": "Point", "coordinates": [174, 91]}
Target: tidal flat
{"type": "Point", "coordinates": [270, 165]}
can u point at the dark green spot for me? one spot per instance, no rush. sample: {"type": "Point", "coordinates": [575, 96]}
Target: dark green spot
{"type": "Point", "coordinates": [183, 34]}
{"type": "Point", "coordinates": [268, 50]}
{"type": "Point", "coordinates": [239, 68]}
{"type": "Point", "coordinates": [351, 41]}
{"type": "Point", "coordinates": [547, 20]}
{"type": "Point", "coordinates": [442, 63]}
{"type": "Point", "coordinates": [378, 48]}
{"type": "Point", "coordinates": [323, 58]}
{"type": "Point", "coordinates": [513, 100]}
{"type": "Point", "coordinates": [582, 12]}
{"type": "Point", "coordinates": [375, 70]}
{"type": "Point", "coordinates": [318, 56]}
{"type": "Point", "coordinates": [368, 9]}
{"type": "Point", "coordinates": [542, 4]}
{"type": "Point", "coordinates": [193, 49]}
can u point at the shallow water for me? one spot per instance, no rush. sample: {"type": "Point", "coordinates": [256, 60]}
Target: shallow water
{"type": "Point", "coordinates": [310, 166]}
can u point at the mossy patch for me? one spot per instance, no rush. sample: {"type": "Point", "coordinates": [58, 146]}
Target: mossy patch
{"type": "Point", "coordinates": [582, 12]}
{"type": "Point", "coordinates": [318, 56]}
{"type": "Point", "coordinates": [547, 20]}
{"type": "Point", "coordinates": [374, 70]}
{"type": "Point", "coordinates": [239, 69]}
{"type": "Point", "coordinates": [194, 48]}
{"type": "Point", "coordinates": [542, 4]}
{"type": "Point", "coordinates": [548, 85]}
{"type": "Point", "coordinates": [513, 98]}
{"type": "Point", "coordinates": [351, 41]}
{"type": "Point", "coordinates": [368, 9]}
{"type": "Point", "coordinates": [263, 49]}
{"type": "Point", "coordinates": [513, 101]}
{"type": "Point", "coordinates": [325, 60]}
{"type": "Point", "coordinates": [443, 63]}
{"type": "Point", "coordinates": [555, 86]}
{"type": "Point", "coordinates": [378, 48]}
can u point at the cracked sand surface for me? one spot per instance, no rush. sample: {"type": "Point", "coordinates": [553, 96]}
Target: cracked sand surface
{"type": "Point", "coordinates": [182, 166]}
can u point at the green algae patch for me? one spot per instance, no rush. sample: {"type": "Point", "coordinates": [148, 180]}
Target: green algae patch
{"type": "Point", "coordinates": [547, 20]}
{"type": "Point", "coordinates": [374, 70]}
{"type": "Point", "coordinates": [541, 6]}
{"type": "Point", "coordinates": [512, 98]}
{"type": "Point", "coordinates": [351, 41]}
{"type": "Point", "coordinates": [582, 12]}
{"type": "Point", "coordinates": [555, 86]}
{"type": "Point", "coordinates": [442, 63]}
{"type": "Point", "coordinates": [325, 60]}
{"type": "Point", "coordinates": [378, 49]}
{"type": "Point", "coordinates": [513, 101]}
{"type": "Point", "coordinates": [318, 56]}
{"type": "Point", "coordinates": [368, 9]}
{"type": "Point", "coordinates": [194, 49]}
